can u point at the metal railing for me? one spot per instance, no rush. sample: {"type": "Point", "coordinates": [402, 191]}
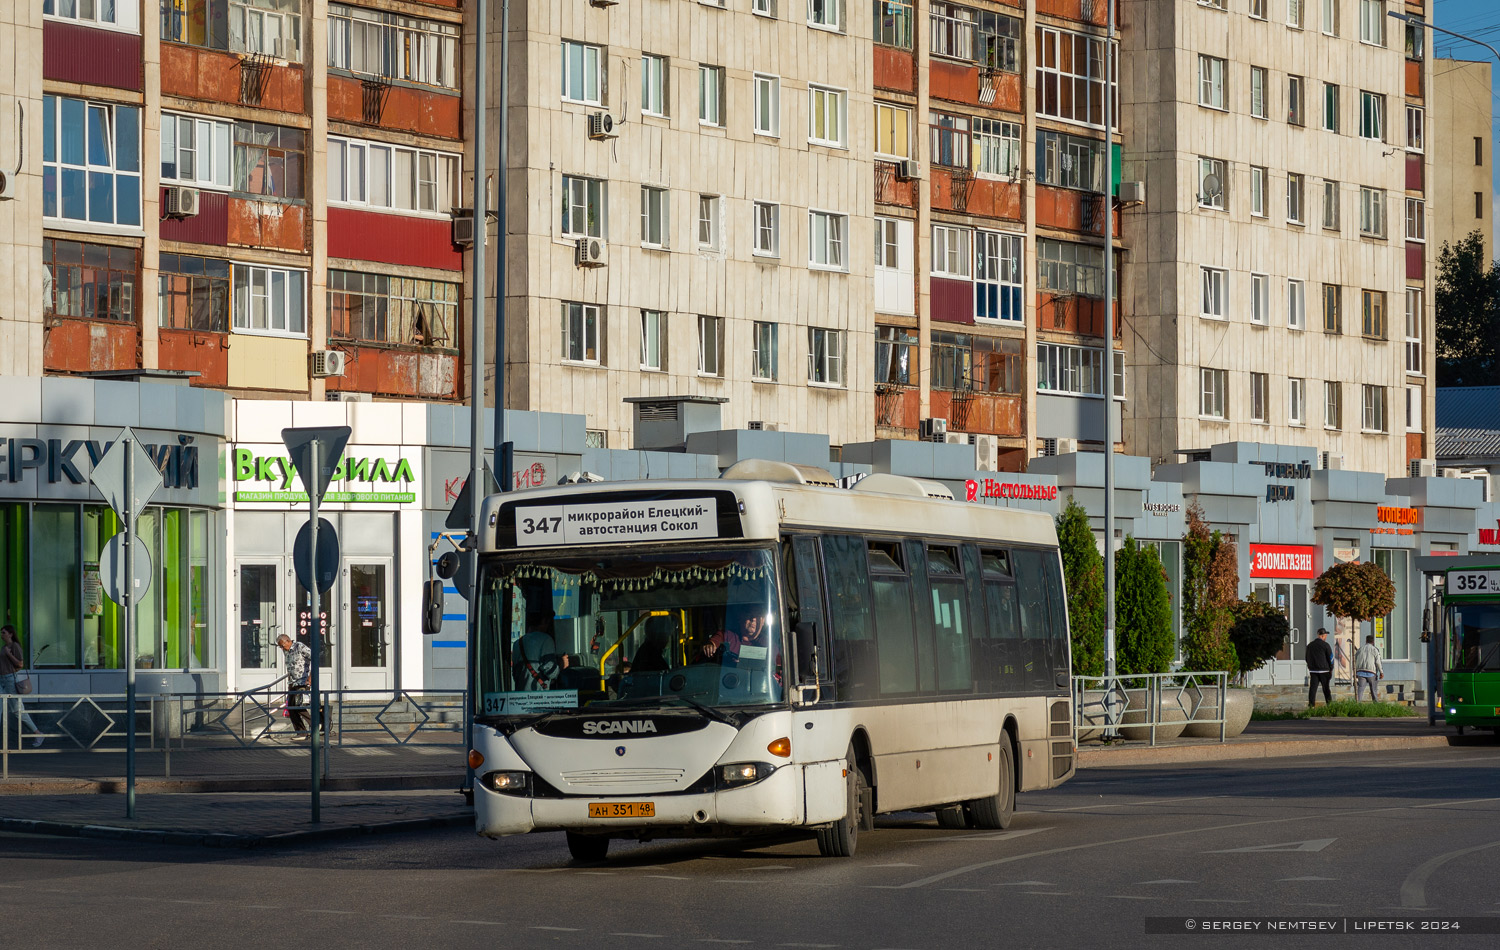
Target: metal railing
{"type": "Point", "coordinates": [1148, 705]}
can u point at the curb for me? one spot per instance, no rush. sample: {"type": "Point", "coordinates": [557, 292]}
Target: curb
{"type": "Point", "coordinates": [116, 786]}
{"type": "Point", "coordinates": [210, 839]}
{"type": "Point", "coordinates": [1272, 749]}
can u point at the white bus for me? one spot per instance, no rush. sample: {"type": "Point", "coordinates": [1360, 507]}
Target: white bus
{"type": "Point", "coordinates": [763, 652]}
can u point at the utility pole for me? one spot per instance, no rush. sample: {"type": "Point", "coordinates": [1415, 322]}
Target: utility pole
{"type": "Point", "coordinates": [1109, 368]}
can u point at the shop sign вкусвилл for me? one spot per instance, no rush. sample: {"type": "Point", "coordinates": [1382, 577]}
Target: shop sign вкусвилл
{"type": "Point", "coordinates": [371, 475]}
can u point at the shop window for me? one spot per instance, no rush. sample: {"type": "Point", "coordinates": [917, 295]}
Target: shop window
{"type": "Point", "coordinates": [1391, 630]}
{"type": "Point", "coordinates": [91, 162]}
{"type": "Point", "coordinates": [193, 293]}
{"type": "Point", "coordinates": [55, 591]}
{"type": "Point", "coordinates": [267, 27]}
{"type": "Point", "coordinates": [375, 308]}
{"type": "Point", "coordinates": [91, 281]}
{"type": "Point", "coordinates": [392, 46]}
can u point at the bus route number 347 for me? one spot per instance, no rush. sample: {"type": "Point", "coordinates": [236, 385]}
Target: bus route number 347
{"type": "Point", "coordinates": [1474, 582]}
{"type": "Point", "coordinates": [534, 526]}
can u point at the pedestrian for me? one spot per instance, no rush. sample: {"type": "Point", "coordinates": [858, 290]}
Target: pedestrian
{"type": "Point", "coordinates": [1319, 657]}
{"type": "Point", "coordinates": [1368, 670]}
{"type": "Point", "coordinates": [298, 682]}
{"type": "Point", "coordinates": [13, 661]}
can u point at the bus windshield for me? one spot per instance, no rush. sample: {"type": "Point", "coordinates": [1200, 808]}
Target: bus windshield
{"type": "Point", "coordinates": [558, 632]}
{"type": "Point", "coordinates": [1474, 638]}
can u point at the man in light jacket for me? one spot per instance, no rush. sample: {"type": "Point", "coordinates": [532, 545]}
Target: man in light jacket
{"type": "Point", "coordinates": [1367, 668]}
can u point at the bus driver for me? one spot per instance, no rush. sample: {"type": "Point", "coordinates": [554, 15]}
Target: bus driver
{"type": "Point", "coordinates": [746, 639]}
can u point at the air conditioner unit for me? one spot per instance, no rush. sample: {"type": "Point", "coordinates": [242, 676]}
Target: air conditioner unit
{"type": "Point", "coordinates": [987, 453]}
{"type": "Point", "coordinates": [1423, 468]}
{"type": "Point", "coordinates": [181, 202]}
{"type": "Point", "coordinates": [932, 430]}
{"type": "Point", "coordinates": [7, 185]}
{"type": "Point", "coordinates": [349, 397]}
{"type": "Point", "coordinates": [1333, 461]}
{"type": "Point", "coordinates": [908, 170]}
{"type": "Point", "coordinates": [1453, 473]}
{"type": "Point", "coordinates": [1132, 192]}
{"type": "Point", "coordinates": [327, 363]}
{"type": "Point", "coordinates": [956, 438]}
{"type": "Point", "coordinates": [591, 252]}
{"type": "Point", "coordinates": [463, 229]}
{"type": "Point", "coordinates": [759, 425]}
{"type": "Point", "coordinates": [601, 125]}
{"type": "Point", "coordinates": [1049, 447]}
{"type": "Point", "coordinates": [1066, 446]}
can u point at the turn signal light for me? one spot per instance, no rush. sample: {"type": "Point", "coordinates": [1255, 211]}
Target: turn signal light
{"type": "Point", "coordinates": [781, 747]}
{"type": "Point", "coordinates": [476, 759]}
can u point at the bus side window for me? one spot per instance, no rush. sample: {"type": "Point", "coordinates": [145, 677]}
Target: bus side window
{"type": "Point", "coordinates": [856, 659]}
{"type": "Point", "coordinates": [1057, 613]}
{"type": "Point", "coordinates": [1036, 632]}
{"type": "Point", "coordinates": [893, 620]}
{"type": "Point", "coordinates": [805, 597]}
{"type": "Point", "coordinates": [950, 618]}
{"type": "Point", "coordinates": [1003, 666]}
{"type": "Point", "coordinates": [922, 629]}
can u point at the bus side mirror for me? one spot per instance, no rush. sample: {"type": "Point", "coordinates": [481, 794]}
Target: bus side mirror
{"type": "Point", "coordinates": [447, 564]}
{"type": "Point", "coordinates": [807, 651]}
{"type": "Point", "coordinates": [432, 607]}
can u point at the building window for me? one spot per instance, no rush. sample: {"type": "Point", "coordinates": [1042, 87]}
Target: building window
{"type": "Point", "coordinates": [893, 349]}
{"type": "Point", "coordinates": [653, 340]}
{"type": "Point", "coordinates": [411, 49]}
{"type": "Point", "coordinates": [950, 140]}
{"type": "Point", "coordinates": [767, 229]}
{"type": "Point", "coordinates": [1333, 308]}
{"type": "Point", "coordinates": [1070, 78]}
{"type": "Point", "coordinates": [91, 162]}
{"type": "Point", "coordinates": [963, 362]}
{"type": "Point", "coordinates": [1215, 291]}
{"type": "Point", "coordinates": [380, 175]}
{"type": "Point", "coordinates": [1258, 9]}
{"type": "Point", "coordinates": [1414, 331]}
{"type": "Point", "coordinates": [997, 147]}
{"type": "Point", "coordinates": [1330, 205]}
{"type": "Point", "coordinates": [1069, 161]}
{"type": "Point", "coordinates": [1296, 304]}
{"type": "Point", "coordinates": [654, 77]}
{"type": "Point", "coordinates": [1478, 205]}
{"type": "Point", "coordinates": [268, 160]}
{"type": "Point", "coordinates": [1413, 408]}
{"type": "Point", "coordinates": [1294, 196]}
{"type": "Point", "coordinates": [827, 113]}
{"type": "Point", "coordinates": [1416, 220]}
{"type": "Point", "coordinates": [1372, 22]}
{"type": "Point", "coordinates": [1478, 151]}
{"type": "Point", "coordinates": [1258, 88]}
{"type": "Point", "coordinates": [1065, 268]}
{"type": "Point", "coordinates": [763, 353]}
{"type": "Point", "coordinates": [710, 346]}
{"type": "Point", "coordinates": [1296, 402]}
{"type": "Point", "coordinates": [895, 288]}
{"type": "Point", "coordinates": [1211, 82]}
{"type": "Point", "coordinates": [1070, 370]}
{"type": "Point", "coordinates": [1372, 312]}
{"type": "Point", "coordinates": [582, 330]}
{"type": "Point", "coordinates": [1213, 393]}
{"type": "Point", "coordinates": [105, 13]}
{"type": "Point", "coordinates": [195, 151]}
{"type": "Point", "coordinates": [1416, 121]}
{"type": "Point", "coordinates": [268, 27]}
{"type": "Point", "coordinates": [887, 244]}
{"type": "Point", "coordinates": [1259, 396]}
{"type": "Point", "coordinates": [1333, 405]}
{"type": "Point", "coordinates": [655, 218]}
{"type": "Point", "coordinates": [192, 293]}
{"type": "Point", "coordinates": [91, 281]}
{"type": "Point", "coordinates": [826, 239]}
{"type": "Point", "coordinates": [583, 207]}
{"type": "Point", "coordinates": [990, 39]}
{"type": "Point", "coordinates": [767, 104]}
{"type": "Point", "coordinates": [997, 276]}
{"type": "Point", "coordinates": [1331, 17]}
{"type": "Point", "coordinates": [892, 131]}
{"type": "Point", "coordinates": [269, 300]}
{"type": "Point", "coordinates": [1372, 212]}
{"type": "Point", "coordinates": [708, 222]}
{"type": "Point", "coordinates": [1294, 14]}
{"type": "Point", "coordinates": [950, 252]}
{"type": "Point", "coordinates": [375, 308]}
{"type": "Point", "coordinates": [1371, 115]}
{"type": "Point", "coordinates": [1294, 113]}
{"type": "Point", "coordinates": [1260, 299]}
{"type": "Point", "coordinates": [1416, 41]}
{"type": "Point", "coordinates": [824, 13]}
{"type": "Point", "coordinates": [583, 68]}
{"type": "Point", "coordinates": [1213, 184]}
{"type": "Point", "coordinates": [1374, 418]}
{"type": "Point", "coordinates": [710, 95]}
{"type": "Point", "coordinates": [1258, 191]}
{"type": "Point", "coordinates": [1330, 107]}
{"type": "Point", "coordinates": [893, 22]}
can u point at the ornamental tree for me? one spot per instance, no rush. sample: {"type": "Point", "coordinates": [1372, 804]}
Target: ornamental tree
{"type": "Point", "coordinates": [1354, 589]}
{"type": "Point", "coordinates": [1210, 583]}
{"type": "Point", "coordinates": [1143, 610]}
{"type": "Point", "coordinates": [1083, 575]}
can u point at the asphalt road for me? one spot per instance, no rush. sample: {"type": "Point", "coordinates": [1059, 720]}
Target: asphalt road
{"type": "Point", "coordinates": [1411, 835]}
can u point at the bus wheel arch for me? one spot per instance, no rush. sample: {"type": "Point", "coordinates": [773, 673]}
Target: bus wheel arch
{"type": "Point", "coordinates": [997, 811]}
{"type": "Point", "coordinates": [864, 760]}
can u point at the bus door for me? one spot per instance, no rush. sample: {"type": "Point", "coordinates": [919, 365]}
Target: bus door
{"type": "Point", "coordinates": [804, 603]}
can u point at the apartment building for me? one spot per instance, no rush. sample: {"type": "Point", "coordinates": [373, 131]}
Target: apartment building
{"type": "Point", "coordinates": [1282, 280]}
{"type": "Point", "coordinates": [1463, 154]}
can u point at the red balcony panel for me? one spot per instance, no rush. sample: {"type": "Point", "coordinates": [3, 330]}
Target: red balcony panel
{"type": "Point", "coordinates": [990, 413]}
{"type": "Point", "coordinates": [78, 346]}
{"type": "Point", "coordinates": [398, 108]}
{"type": "Point", "coordinates": [81, 54]}
{"type": "Point", "coordinates": [891, 190]}
{"type": "Point", "coordinates": [897, 407]}
{"type": "Point", "coordinates": [952, 300]}
{"type": "Point", "coordinates": [1073, 314]}
{"type": "Point", "coordinates": [1416, 260]}
{"type": "Point", "coordinates": [392, 239]}
{"type": "Point", "coordinates": [1008, 92]}
{"type": "Point", "coordinates": [1415, 172]}
{"type": "Point", "coordinates": [209, 226]}
{"type": "Point", "coordinates": [388, 371]}
{"type": "Point", "coordinates": [1087, 11]}
{"type": "Point", "coordinates": [994, 198]}
{"type": "Point", "coordinates": [202, 351]}
{"type": "Point", "coordinates": [895, 69]}
{"type": "Point", "coordinates": [1414, 78]}
{"type": "Point", "coordinates": [954, 82]}
{"type": "Point", "coordinates": [195, 73]}
{"type": "Point", "coordinates": [1414, 449]}
{"type": "Point", "coordinates": [271, 224]}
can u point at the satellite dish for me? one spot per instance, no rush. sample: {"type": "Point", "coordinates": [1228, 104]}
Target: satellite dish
{"type": "Point", "coordinates": [1212, 187]}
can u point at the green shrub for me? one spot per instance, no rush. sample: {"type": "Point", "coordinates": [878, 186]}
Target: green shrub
{"type": "Point", "coordinates": [1257, 631]}
{"type": "Point", "coordinates": [1209, 568]}
{"type": "Point", "coordinates": [1143, 611]}
{"type": "Point", "coordinates": [1083, 575]}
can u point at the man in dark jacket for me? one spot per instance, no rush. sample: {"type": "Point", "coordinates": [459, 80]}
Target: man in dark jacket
{"type": "Point", "coordinates": [1319, 659]}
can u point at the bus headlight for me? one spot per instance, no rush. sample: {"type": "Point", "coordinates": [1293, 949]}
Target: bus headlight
{"type": "Point", "coordinates": [743, 773]}
{"type": "Point", "coordinates": [507, 783]}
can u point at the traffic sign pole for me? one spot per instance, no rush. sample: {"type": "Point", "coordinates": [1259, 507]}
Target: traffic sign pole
{"type": "Point", "coordinates": [313, 498]}
{"type": "Point", "coordinates": [130, 636]}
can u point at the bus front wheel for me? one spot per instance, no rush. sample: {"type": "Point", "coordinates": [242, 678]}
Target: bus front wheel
{"type": "Point", "coordinates": [998, 810]}
{"type": "Point", "coordinates": [588, 849]}
{"type": "Point", "coordinates": [842, 837]}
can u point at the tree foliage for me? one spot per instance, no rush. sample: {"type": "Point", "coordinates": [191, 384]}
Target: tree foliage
{"type": "Point", "coordinates": [1143, 611]}
{"type": "Point", "coordinates": [1083, 575]}
{"type": "Point", "coordinates": [1468, 315]}
{"type": "Point", "coordinates": [1257, 631]}
{"type": "Point", "coordinates": [1210, 583]}
{"type": "Point", "coordinates": [1355, 589]}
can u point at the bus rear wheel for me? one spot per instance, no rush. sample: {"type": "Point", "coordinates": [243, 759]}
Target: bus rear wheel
{"type": "Point", "coordinates": [997, 810]}
{"type": "Point", "coordinates": [842, 838]}
{"type": "Point", "coordinates": [588, 849]}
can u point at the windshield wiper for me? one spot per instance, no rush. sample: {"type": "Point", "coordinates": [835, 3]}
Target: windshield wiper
{"type": "Point", "coordinates": [707, 711]}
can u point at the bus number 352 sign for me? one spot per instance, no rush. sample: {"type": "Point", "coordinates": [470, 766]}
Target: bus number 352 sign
{"type": "Point", "coordinates": [1474, 582]}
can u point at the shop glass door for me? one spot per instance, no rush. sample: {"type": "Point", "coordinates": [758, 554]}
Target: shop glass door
{"type": "Point", "coordinates": [1289, 597]}
{"type": "Point", "coordinates": [367, 610]}
{"type": "Point", "coordinates": [261, 617]}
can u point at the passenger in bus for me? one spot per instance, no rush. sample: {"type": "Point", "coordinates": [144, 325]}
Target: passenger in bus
{"type": "Point", "coordinates": [742, 637]}
{"type": "Point", "coordinates": [534, 661]}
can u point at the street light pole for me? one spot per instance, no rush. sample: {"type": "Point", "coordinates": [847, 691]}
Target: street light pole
{"type": "Point", "coordinates": [1414, 21]}
{"type": "Point", "coordinates": [1109, 366]}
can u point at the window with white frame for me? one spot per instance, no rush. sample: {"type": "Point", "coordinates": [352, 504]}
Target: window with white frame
{"type": "Point", "coordinates": [767, 229]}
{"type": "Point", "coordinates": [1211, 81]}
{"type": "Point", "coordinates": [1070, 77]}
{"type": "Point", "coordinates": [887, 243]}
{"type": "Point", "coordinates": [582, 331]}
{"type": "Point", "coordinates": [1330, 107]}
{"type": "Point", "coordinates": [892, 131]}
{"type": "Point", "coordinates": [1416, 121]}
{"type": "Point", "coordinates": [1296, 402]}
{"type": "Point", "coordinates": [1416, 220]}
{"type": "Point", "coordinates": [1330, 205]}
{"type": "Point", "coordinates": [826, 232]}
{"type": "Point", "coordinates": [392, 177]}
{"type": "Point", "coordinates": [710, 94]}
{"type": "Point", "coordinates": [764, 357]}
{"type": "Point", "coordinates": [767, 104]}
{"type": "Point", "coordinates": [1258, 191]}
{"type": "Point", "coordinates": [1374, 418]}
{"type": "Point", "coordinates": [992, 40]}
{"type": "Point", "coordinates": [1213, 184]}
{"type": "Point", "coordinates": [655, 217]}
{"type": "Point", "coordinates": [653, 340]}
{"type": "Point", "coordinates": [894, 20]}
{"type": "Point", "coordinates": [1414, 317]}
{"type": "Point", "coordinates": [1295, 197]}
{"type": "Point", "coordinates": [826, 110]}
{"type": "Point", "coordinates": [1330, 21]}
{"type": "Point", "coordinates": [895, 280]}
{"type": "Point", "coordinates": [91, 161]}
{"type": "Point", "coordinates": [952, 29]}
{"type": "Point", "coordinates": [1069, 161]}
{"type": "Point", "coordinates": [1071, 370]}
{"type": "Point", "coordinates": [268, 160]}
{"type": "Point", "coordinates": [1215, 4]}
{"type": "Point", "coordinates": [950, 252]}
{"type": "Point", "coordinates": [1372, 22]}
{"type": "Point", "coordinates": [378, 308]}
{"type": "Point", "coordinates": [997, 147]}
{"type": "Point", "coordinates": [583, 207]}
{"type": "Point", "coordinates": [894, 347]}
{"type": "Point", "coordinates": [1413, 408]}
{"type": "Point", "coordinates": [269, 300]}
{"type": "Point", "coordinates": [1296, 304]}
{"type": "Point", "coordinates": [1260, 396]}
{"type": "Point", "coordinates": [1295, 114]}
{"type": "Point", "coordinates": [1259, 92]}
{"type": "Point", "coordinates": [708, 221]}
{"type": "Point", "coordinates": [106, 13]}
{"type": "Point", "coordinates": [196, 151]}
{"type": "Point", "coordinates": [393, 46]}
{"type": "Point", "coordinates": [998, 282]}
{"type": "Point", "coordinates": [824, 13]}
{"type": "Point", "coordinates": [1371, 115]}
{"type": "Point", "coordinates": [710, 346]}
{"type": "Point", "coordinates": [1333, 404]}
{"type": "Point", "coordinates": [1258, 9]}
{"type": "Point", "coordinates": [1213, 400]}
{"type": "Point", "coordinates": [1063, 267]}
{"type": "Point", "coordinates": [1260, 299]}
{"type": "Point", "coordinates": [1294, 14]}
{"type": "Point", "coordinates": [655, 74]}
{"type": "Point", "coordinates": [1215, 293]}
{"type": "Point", "coordinates": [266, 27]}
{"type": "Point", "coordinates": [825, 356]}
{"type": "Point", "coordinates": [1372, 212]}
{"type": "Point", "coordinates": [583, 68]}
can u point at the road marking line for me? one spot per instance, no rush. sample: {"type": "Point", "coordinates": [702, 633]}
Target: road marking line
{"type": "Point", "coordinates": [771, 867]}
{"type": "Point", "coordinates": [1130, 897]}
{"type": "Point", "coordinates": [1310, 877]}
{"type": "Point", "coordinates": [1312, 844]}
{"type": "Point", "coordinates": [1002, 836]}
{"type": "Point", "coordinates": [1025, 884]}
{"type": "Point", "coordinates": [667, 877]}
{"type": "Point", "coordinates": [868, 866]}
{"type": "Point", "coordinates": [1155, 801]}
{"type": "Point", "coordinates": [810, 945]}
{"type": "Point", "coordinates": [311, 910]}
{"type": "Point", "coordinates": [571, 930]}
{"type": "Point", "coordinates": [487, 923]}
{"type": "Point", "coordinates": [963, 890]}
{"type": "Point", "coordinates": [1051, 893]}
{"type": "Point", "coordinates": [1165, 880]}
{"type": "Point", "coordinates": [1215, 900]}
{"type": "Point", "coordinates": [1414, 888]}
{"type": "Point", "coordinates": [719, 940]}
{"type": "Point", "coordinates": [623, 933]}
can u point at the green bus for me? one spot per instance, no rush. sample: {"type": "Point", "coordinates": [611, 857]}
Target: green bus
{"type": "Point", "coordinates": [1468, 645]}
